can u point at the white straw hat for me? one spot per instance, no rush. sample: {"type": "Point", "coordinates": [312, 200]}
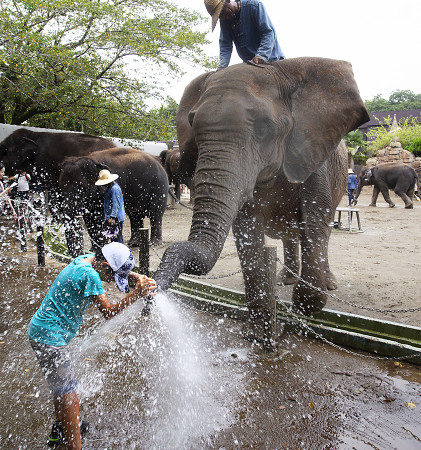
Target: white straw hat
{"type": "Point", "coordinates": [214, 8]}
{"type": "Point", "coordinates": [350, 171]}
{"type": "Point", "coordinates": [105, 177]}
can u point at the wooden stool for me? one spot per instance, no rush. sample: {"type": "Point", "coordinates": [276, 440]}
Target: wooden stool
{"type": "Point", "coordinates": [350, 211]}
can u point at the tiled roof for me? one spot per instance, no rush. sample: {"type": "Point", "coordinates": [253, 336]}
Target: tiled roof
{"type": "Point", "coordinates": [375, 117]}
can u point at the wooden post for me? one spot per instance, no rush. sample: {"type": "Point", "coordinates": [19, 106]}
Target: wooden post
{"type": "Point", "coordinates": [270, 327]}
{"type": "Point", "coordinates": [144, 251]}
{"type": "Point", "coordinates": [40, 246]}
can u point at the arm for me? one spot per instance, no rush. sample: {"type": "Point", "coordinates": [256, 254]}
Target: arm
{"type": "Point", "coordinates": [144, 287]}
{"type": "Point", "coordinates": [267, 36]}
{"type": "Point", "coordinates": [225, 47]}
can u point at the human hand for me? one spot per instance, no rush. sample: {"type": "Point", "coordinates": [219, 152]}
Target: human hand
{"type": "Point", "coordinates": [145, 285]}
{"type": "Point", "coordinates": [111, 221]}
{"type": "Point", "coordinates": [258, 60]}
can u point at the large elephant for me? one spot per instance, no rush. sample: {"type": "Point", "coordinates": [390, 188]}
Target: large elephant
{"type": "Point", "coordinates": [40, 153]}
{"type": "Point", "coordinates": [244, 131]}
{"type": "Point", "coordinates": [142, 179]}
{"type": "Point", "coordinates": [397, 176]}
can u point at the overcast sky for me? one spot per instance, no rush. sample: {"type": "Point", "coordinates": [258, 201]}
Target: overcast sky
{"type": "Point", "coordinates": [381, 38]}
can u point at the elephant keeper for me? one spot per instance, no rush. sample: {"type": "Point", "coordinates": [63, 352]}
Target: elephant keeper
{"type": "Point", "coordinates": [247, 24]}
{"type": "Point", "coordinates": [114, 213]}
{"type": "Point", "coordinates": [59, 317]}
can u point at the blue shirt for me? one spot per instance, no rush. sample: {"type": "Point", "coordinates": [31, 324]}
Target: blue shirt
{"type": "Point", "coordinates": [352, 181]}
{"type": "Point", "coordinates": [113, 203]}
{"type": "Point", "coordinates": [252, 33]}
{"type": "Point", "coordinates": [61, 312]}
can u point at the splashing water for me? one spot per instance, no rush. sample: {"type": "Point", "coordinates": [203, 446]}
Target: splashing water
{"type": "Point", "coordinates": [170, 396]}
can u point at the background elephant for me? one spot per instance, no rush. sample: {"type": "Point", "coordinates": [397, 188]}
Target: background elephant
{"type": "Point", "coordinates": [142, 179]}
{"type": "Point", "coordinates": [170, 160]}
{"type": "Point", "coordinates": [255, 132]}
{"type": "Point", "coordinates": [397, 176]}
{"type": "Point", "coordinates": [40, 153]}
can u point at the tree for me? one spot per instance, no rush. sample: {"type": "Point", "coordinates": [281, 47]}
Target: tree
{"type": "Point", "coordinates": [398, 100]}
{"type": "Point", "coordinates": [92, 65]}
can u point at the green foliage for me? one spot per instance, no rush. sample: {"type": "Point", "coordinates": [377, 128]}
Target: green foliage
{"type": "Point", "coordinates": [415, 147]}
{"type": "Point", "coordinates": [381, 137]}
{"type": "Point", "coordinates": [93, 66]}
{"type": "Point", "coordinates": [353, 140]}
{"type": "Point", "coordinates": [398, 100]}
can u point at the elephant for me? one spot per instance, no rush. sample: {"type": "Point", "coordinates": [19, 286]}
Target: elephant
{"type": "Point", "coordinates": [40, 153]}
{"type": "Point", "coordinates": [170, 159]}
{"type": "Point", "coordinates": [142, 179]}
{"type": "Point", "coordinates": [257, 141]}
{"type": "Point", "coordinates": [397, 176]}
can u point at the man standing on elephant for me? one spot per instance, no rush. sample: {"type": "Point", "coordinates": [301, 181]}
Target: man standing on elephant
{"type": "Point", "coordinates": [114, 213]}
{"type": "Point", "coordinates": [246, 23]}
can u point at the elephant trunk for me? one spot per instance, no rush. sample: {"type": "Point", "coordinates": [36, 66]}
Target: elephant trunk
{"type": "Point", "coordinates": [220, 192]}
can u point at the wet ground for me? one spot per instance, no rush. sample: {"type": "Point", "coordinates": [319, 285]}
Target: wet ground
{"type": "Point", "coordinates": [183, 379]}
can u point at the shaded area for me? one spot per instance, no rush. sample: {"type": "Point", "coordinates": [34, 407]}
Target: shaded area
{"type": "Point", "coordinates": [186, 379]}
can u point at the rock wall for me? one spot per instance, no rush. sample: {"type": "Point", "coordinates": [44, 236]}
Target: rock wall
{"type": "Point", "coordinates": [394, 153]}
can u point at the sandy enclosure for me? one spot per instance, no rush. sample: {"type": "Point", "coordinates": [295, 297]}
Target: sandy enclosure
{"type": "Point", "coordinates": [378, 268]}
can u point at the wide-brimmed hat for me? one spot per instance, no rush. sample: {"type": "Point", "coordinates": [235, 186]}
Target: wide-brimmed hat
{"type": "Point", "coordinates": [121, 261]}
{"type": "Point", "coordinates": [350, 171]}
{"type": "Point", "coordinates": [214, 8]}
{"type": "Point", "coordinates": [105, 177]}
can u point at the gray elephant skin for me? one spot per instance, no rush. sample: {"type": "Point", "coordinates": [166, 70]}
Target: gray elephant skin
{"type": "Point", "coordinates": [40, 154]}
{"type": "Point", "coordinates": [399, 177]}
{"type": "Point", "coordinates": [261, 143]}
{"type": "Point", "coordinates": [142, 179]}
{"type": "Point", "coordinates": [170, 160]}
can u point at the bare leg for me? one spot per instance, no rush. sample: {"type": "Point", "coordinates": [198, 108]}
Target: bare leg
{"type": "Point", "coordinates": [67, 411]}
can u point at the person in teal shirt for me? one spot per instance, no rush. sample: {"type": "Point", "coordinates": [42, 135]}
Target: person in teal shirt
{"type": "Point", "coordinates": [60, 315]}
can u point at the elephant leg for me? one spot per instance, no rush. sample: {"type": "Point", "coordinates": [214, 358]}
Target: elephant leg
{"type": "Point", "coordinates": [385, 192]}
{"type": "Point", "coordinates": [177, 189]}
{"type": "Point", "coordinates": [156, 229]}
{"type": "Point", "coordinates": [309, 295]}
{"type": "Point", "coordinates": [289, 274]}
{"type": "Point", "coordinates": [406, 196]}
{"type": "Point", "coordinates": [331, 283]}
{"type": "Point", "coordinates": [136, 223]}
{"type": "Point", "coordinates": [376, 192]}
{"type": "Point", "coordinates": [72, 232]}
{"type": "Point", "coordinates": [249, 239]}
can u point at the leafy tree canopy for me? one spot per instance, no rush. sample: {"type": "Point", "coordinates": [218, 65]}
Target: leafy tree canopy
{"type": "Point", "coordinates": [92, 65]}
{"type": "Point", "coordinates": [398, 100]}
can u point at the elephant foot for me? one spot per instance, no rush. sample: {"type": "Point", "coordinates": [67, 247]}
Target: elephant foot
{"type": "Point", "coordinates": [286, 278]}
{"type": "Point", "coordinates": [410, 206]}
{"type": "Point", "coordinates": [331, 283]}
{"type": "Point", "coordinates": [391, 205]}
{"type": "Point", "coordinates": [307, 300]}
{"type": "Point", "coordinates": [372, 204]}
{"type": "Point", "coordinates": [156, 242]}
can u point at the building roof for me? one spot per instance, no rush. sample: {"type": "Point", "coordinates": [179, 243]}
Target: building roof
{"type": "Point", "coordinates": [401, 115]}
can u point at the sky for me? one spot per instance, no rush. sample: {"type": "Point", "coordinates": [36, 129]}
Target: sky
{"type": "Point", "coordinates": [380, 38]}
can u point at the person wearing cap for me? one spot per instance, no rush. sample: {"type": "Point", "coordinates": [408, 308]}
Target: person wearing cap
{"type": "Point", "coordinates": [352, 185]}
{"type": "Point", "coordinates": [60, 315]}
{"type": "Point", "coordinates": [114, 213]}
{"type": "Point", "coordinates": [246, 24]}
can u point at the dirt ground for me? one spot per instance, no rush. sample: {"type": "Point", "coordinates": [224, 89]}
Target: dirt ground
{"type": "Point", "coordinates": [377, 268]}
{"type": "Point", "coordinates": [184, 379]}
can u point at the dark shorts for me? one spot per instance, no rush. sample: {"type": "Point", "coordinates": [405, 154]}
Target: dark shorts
{"type": "Point", "coordinates": [56, 366]}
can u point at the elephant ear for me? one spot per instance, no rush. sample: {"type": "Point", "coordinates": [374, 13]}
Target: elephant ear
{"type": "Point", "coordinates": [325, 104]}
